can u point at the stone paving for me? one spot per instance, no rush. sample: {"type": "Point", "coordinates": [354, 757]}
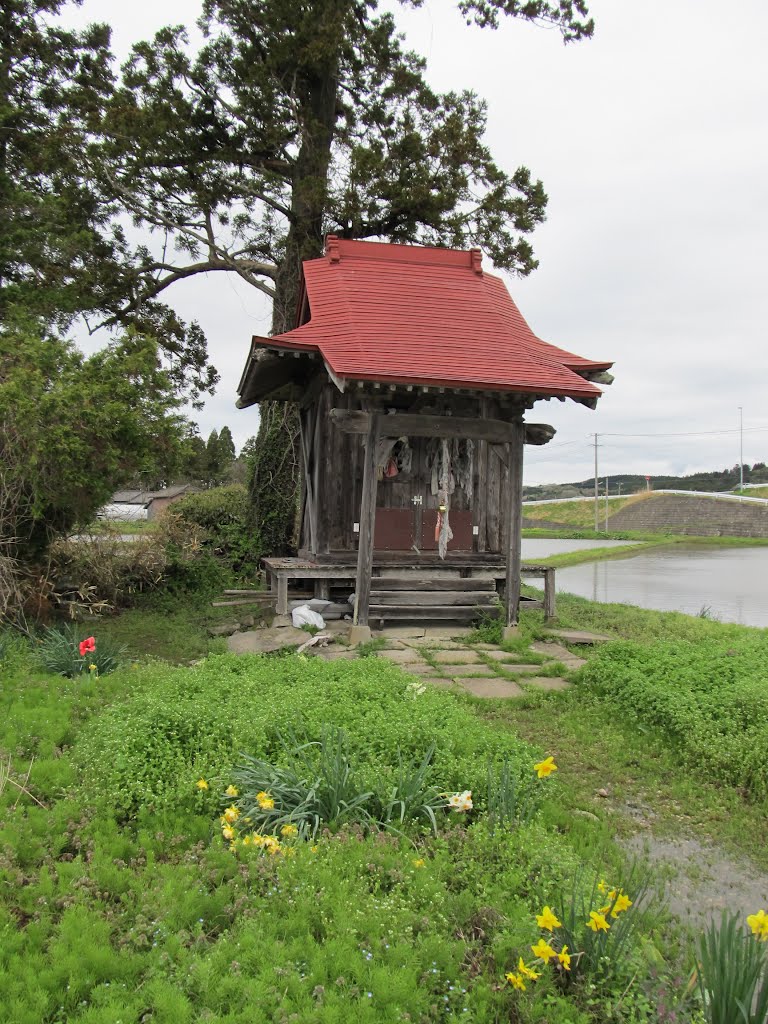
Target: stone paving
{"type": "Point", "coordinates": [440, 656]}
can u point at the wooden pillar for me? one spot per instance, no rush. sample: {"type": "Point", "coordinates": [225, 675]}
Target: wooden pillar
{"type": "Point", "coordinates": [367, 519]}
{"type": "Point", "coordinates": [514, 501]}
{"type": "Point", "coordinates": [549, 594]}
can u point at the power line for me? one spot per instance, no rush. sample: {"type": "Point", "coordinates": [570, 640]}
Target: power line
{"type": "Point", "coordinates": [687, 433]}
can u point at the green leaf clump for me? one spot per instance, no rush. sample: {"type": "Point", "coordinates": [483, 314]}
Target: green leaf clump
{"type": "Point", "coordinates": [706, 697]}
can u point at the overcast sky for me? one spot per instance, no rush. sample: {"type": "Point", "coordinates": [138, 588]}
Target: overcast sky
{"type": "Point", "coordinates": [651, 142]}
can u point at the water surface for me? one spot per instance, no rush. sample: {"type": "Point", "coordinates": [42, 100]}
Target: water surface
{"type": "Point", "coordinates": [535, 548]}
{"type": "Point", "coordinates": [730, 583]}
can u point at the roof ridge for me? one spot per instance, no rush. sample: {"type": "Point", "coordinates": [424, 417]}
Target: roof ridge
{"type": "Point", "coordinates": [338, 249]}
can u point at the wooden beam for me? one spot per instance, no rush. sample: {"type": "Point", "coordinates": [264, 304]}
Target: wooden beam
{"type": "Point", "coordinates": [413, 583]}
{"type": "Point", "coordinates": [513, 544]}
{"type": "Point", "coordinates": [539, 433]}
{"type": "Point", "coordinates": [402, 424]}
{"type": "Point", "coordinates": [367, 518]}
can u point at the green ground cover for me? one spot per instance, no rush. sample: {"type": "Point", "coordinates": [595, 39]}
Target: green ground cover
{"type": "Point", "coordinates": [121, 901]}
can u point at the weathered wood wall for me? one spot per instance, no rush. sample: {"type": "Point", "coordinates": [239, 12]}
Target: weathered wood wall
{"type": "Point", "coordinates": [332, 490]}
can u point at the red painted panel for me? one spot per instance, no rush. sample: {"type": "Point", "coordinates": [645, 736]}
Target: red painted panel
{"type": "Point", "coordinates": [393, 529]}
{"type": "Point", "coordinates": [460, 523]}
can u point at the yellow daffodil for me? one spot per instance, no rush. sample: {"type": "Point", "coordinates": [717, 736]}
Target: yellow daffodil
{"type": "Point", "coordinates": [265, 801]}
{"type": "Point", "coordinates": [597, 922]}
{"type": "Point", "coordinates": [419, 862]}
{"type": "Point", "coordinates": [201, 784]}
{"type": "Point", "coordinates": [231, 814]}
{"type": "Point", "coordinates": [228, 832]}
{"type": "Point", "coordinates": [543, 951]}
{"type": "Point", "coordinates": [565, 958]}
{"type": "Point", "coordinates": [604, 910]}
{"type": "Point", "coordinates": [93, 668]}
{"type": "Point", "coordinates": [258, 840]}
{"type": "Point", "coordinates": [545, 768]}
{"type": "Point", "coordinates": [272, 845]}
{"type": "Point", "coordinates": [623, 902]}
{"type": "Point", "coordinates": [289, 831]}
{"type": "Point", "coordinates": [246, 840]}
{"type": "Point", "coordinates": [602, 886]}
{"type": "Point", "coordinates": [759, 924]}
{"type": "Point", "coordinates": [231, 791]}
{"type": "Point", "coordinates": [516, 981]}
{"type": "Point", "coordinates": [547, 920]}
{"type": "Point", "coordinates": [526, 972]}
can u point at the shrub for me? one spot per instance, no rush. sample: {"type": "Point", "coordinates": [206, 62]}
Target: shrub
{"type": "Point", "coordinates": [58, 651]}
{"type": "Point", "coordinates": [103, 568]}
{"type": "Point", "coordinates": [147, 750]}
{"type": "Point", "coordinates": [222, 514]}
{"type": "Point", "coordinates": [708, 698]}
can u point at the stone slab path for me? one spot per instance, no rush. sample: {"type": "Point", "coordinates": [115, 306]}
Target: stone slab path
{"type": "Point", "coordinates": [442, 657]}
{"type": "Point", "coordinates": [438, 656]}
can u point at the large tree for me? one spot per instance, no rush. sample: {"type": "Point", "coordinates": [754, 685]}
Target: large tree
{"type": "Point", "coordinates": [293, 119]}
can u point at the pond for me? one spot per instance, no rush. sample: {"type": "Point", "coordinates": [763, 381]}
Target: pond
{"type": "Point", "coordinates": [730, 584]}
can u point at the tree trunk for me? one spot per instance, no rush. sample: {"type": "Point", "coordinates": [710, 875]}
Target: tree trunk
{"type": "Point", "coordinates": [277, 462]}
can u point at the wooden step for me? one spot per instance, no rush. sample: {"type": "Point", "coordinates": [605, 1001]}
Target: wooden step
{"type": "Point", "coordinates": [379, 583]}
{"type": "Point", "coordinates": [446, 598]}
{"type": "Point", "coordinates": [424, 613]}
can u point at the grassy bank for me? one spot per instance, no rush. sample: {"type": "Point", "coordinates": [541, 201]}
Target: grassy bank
{"type": "Point", "coordinates": [123, 901]}
{"type": "Point", "coordinates": [579, 514]}
{"type": "Point", "coordinates": [639, 542]}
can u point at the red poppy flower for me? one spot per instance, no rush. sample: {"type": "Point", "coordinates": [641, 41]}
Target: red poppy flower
{"type": "Point", "coordinates": [87, 646]}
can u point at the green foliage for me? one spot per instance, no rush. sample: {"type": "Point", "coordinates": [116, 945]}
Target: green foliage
{"type": "Point", "coordinates": [707, 698]}
{"type": "Point", "coordinates": [223, 513]}
{"type": "Point", "coordinates": [58, 651]}
{"type": "Point", "coordinates": [319, 788]}
{"type": "Point", "coordinates": [602, 955]}
{"type": "Point", "coordinates": [71, 428]}
{"type": "Point", "coordinates": [512, 798]}
{"type": "Point", "coordinates": [106, 917]}
{"type": "Point", "coordinates": [316, 788]}
{"type": "Point", "coordinates": [148, 750]}
{"type": "Point", "coordinates": [63, 251]}
{"type": "Point", "coordinates": [274, 473]}
{"type": "Point", "coordinates": [732, 973]}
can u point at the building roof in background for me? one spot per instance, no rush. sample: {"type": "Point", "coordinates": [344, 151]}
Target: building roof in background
{"type": "Point", "coordinates": [136, 497]}
{"type": "Point", "coordinates": [429, 316]}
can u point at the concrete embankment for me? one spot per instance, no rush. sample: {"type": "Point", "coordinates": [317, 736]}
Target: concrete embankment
{"type": "Point", "coordinates": [693, 515]}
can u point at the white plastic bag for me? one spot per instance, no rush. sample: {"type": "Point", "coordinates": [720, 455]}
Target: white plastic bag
{"type": "Point", "coordinates": [304, 616]}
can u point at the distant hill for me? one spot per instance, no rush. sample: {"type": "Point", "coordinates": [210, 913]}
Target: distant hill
{"type": "Point", "coordinates": [631, 483]}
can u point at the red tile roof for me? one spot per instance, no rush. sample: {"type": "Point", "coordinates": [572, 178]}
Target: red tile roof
{"type": "Point", "coordinates": [417, 315]}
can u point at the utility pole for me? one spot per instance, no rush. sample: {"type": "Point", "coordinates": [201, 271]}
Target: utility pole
{"type": "Point", "coordinates": [606, 504]}
{"type": "Point", "coordinates": [741, 449]}
{"type": "Point", "coordinates": [597, 494]}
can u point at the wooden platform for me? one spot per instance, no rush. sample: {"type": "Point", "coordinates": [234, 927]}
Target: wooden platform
{"type": "Point", "coordinates": [406, 588]}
